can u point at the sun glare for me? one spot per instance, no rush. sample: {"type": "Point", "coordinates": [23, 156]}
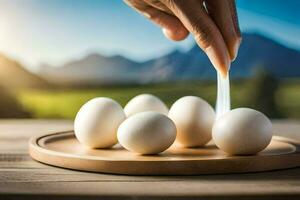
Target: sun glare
{"type": "Point", "coordinates": [6, 31]}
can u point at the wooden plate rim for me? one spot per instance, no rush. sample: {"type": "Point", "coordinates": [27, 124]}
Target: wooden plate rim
{"type": "Point", "coordinates": [34, 143]}
{"type": "Point", "coordinates": [106, 165]}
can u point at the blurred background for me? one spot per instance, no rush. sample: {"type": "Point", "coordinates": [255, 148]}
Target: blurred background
{"type": "Point", "coordinates": [57, 54]}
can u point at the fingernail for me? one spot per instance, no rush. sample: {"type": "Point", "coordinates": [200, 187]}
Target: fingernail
{"type": "Point", "coordinates": [167, 33]}
{"type": "Point", "coordinates": [147, 15]}
{"type": "Point", "coordinates": [235, 50]}
{"type": "Point", "coordinates": [221, 62]}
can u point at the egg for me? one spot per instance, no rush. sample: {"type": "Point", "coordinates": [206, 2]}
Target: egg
{"type": "Point", "coordinates": [194, 119]}
{"type": "Point", "coordinates": [97, 121]}
{"type": "Point", "coordinates": [147, 133]}
{"type": "Point", "coordinates": [145, 102]}
{"type": "Point", "coordinates": [242, 131]}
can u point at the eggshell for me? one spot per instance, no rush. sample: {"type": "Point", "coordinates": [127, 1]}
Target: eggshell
{"type": "Point", "coordinates": [97, 122]}
{"type": "Point", "coordinates": [145, 102]}
{"type": "Point", "coordinates": [242, 131]}
{"type": "Point", "coordinates": [194, 119]}
{"type": "Point", "coordinates": [147, 133]}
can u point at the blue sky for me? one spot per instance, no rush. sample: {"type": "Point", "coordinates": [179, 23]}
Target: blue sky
{"type": "Point", "coordinates": [55, 31]}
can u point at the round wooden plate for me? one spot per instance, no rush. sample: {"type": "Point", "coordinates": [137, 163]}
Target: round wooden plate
{"type": "Point", "coordinates": [63, 150]}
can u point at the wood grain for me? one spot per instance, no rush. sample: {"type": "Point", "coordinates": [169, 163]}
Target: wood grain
{"type": "Point", "coordinates": [23, 178]}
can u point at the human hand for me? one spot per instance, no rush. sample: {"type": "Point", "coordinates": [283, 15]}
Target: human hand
{"type": "Point", "coordinates": [213, 23]}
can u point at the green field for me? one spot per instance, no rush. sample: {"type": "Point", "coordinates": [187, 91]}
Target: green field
{"type": "Point", "coordinates": [65, 103]}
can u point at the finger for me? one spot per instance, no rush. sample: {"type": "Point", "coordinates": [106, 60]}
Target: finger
{"type": "Point", "coordinates": [207, 35]}
{"type": "Point", "coordinates": [171, 26]}
{"type": "Point", "coordinates": [159, 5]}
{"type": "Point", "coordinates": [224, 15]}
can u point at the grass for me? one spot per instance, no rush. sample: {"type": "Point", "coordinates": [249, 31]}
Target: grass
{"type": "Point", "coordinates": [66, 103]}
{"type": "Point", "coordinates": [288, 99]}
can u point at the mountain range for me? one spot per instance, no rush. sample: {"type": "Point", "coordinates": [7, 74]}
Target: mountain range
{"type": "Point", "coordinates": [256, 51]}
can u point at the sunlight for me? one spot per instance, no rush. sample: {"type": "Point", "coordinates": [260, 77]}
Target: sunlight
{"type": "Point", "coordinates": [4, 31]}
{"type": "Point", "coordinates": [8, 32]}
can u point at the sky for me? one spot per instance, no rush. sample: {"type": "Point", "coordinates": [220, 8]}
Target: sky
{"type": "Point", "coordinates": [56, 31]}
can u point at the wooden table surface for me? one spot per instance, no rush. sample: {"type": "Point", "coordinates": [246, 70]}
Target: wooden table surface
{"type": "Point", "coordinates": [23, 178]}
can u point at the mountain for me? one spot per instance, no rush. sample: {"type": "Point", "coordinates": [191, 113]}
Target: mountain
{"type": "Point", "coordinates": [259, 51]}
{"type": "Point", "coordinates": [256, 51]}
{"type": "Point", "coordinates": [13, 76]}
{"type": "Point", "coordinates": [94, 69]}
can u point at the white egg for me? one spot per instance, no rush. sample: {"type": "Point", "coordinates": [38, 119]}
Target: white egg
{"type": "Point", "coordinates": [242, 131]}
{"type": "Point", "coordinates": [194, 119]}
{"type": "Point", "coordinates": [145, 102]}
{"type": "Point", "coordinates": [97, 122]}
{"type": "Point", "coordinates": [147, 133]}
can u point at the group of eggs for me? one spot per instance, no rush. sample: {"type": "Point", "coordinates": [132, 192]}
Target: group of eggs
{"type": "Point", "coordinates": [147, 126]}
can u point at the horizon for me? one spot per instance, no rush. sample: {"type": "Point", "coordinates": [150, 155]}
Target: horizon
{"type": "Point", "coordinates": [46, 43]}
{"type": "Point", "coordinates": [151, 58]}
{"type": "Point", "coordinates": [89, 53]}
